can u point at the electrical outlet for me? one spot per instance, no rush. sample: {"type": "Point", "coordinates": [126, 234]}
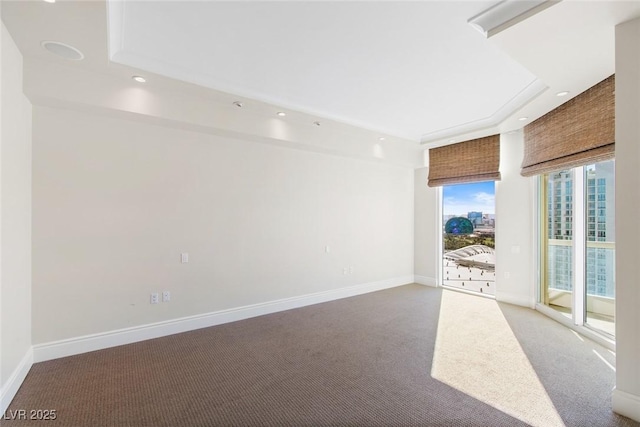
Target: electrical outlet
{"type": "Point", "coordinates": [351, 270]}
{"type": "Point", "coordinates": [184, 258]}
{"type": "Point", "coordinates": [166, 296]}
{"type": "Point", "coordinates": [155, 298]}
{"type": "Point", "coordinates": [344, 270]}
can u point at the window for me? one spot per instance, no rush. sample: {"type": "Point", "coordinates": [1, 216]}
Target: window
{"type": "Point", "coordinates": [578, 249]}
{"type": "Point", "coordinates": [468, 257]}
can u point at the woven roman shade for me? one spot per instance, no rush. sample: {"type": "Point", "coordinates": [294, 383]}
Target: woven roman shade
{"type": "Point", "coordinates": [579, 132]}
{"type": "Point", "coordinates": [469, 161]}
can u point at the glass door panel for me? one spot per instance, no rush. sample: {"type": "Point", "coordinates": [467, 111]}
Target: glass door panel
{"type": "Point", "coordinates": [600, 246]}
{"type": "Point", "coordinates": [558, 241]}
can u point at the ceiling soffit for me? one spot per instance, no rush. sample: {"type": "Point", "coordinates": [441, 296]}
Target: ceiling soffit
{"type": "Point", "coordinates": [415, 70]}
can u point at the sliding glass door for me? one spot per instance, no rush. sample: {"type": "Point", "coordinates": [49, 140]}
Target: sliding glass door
{"type": "Point", "coordinates": [578, 244]}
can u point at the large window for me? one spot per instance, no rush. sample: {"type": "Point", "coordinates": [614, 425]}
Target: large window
{"type": "Point", "coordinates": [578, 250]}
{"type": "Point", "coordinates": [468, 260]}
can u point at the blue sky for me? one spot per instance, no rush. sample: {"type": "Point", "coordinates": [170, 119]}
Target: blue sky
{"type": "Point", "coordinates": [463, 198]}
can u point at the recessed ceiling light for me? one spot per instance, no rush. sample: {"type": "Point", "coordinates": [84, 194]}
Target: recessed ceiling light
{"type": "Point", "coordinates": [563, 93]}
{"type": "Point", "coordinates": [281, 114]}
{"type": "Point", "coordinates": [63, 50]}
{"type": "Point", "coordinates": [522, 119]}
{"type": "Point", "coordinates": [50, 1]}
{"type": "Point", "coordinates": [238, 104]}
{"type": "Point", "coordinates": [316, 123]}
{"type": "Point", "coordinates": [139, 79]}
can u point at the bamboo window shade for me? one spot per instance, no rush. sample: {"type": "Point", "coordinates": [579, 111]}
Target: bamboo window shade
{"type": "Point", "coordinates": [469, 161]}
{"type": "Point", "coordinates": [579, 132]}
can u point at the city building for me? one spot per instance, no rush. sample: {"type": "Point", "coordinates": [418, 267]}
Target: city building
{"type": "Point", "coordinates": [475, 218]}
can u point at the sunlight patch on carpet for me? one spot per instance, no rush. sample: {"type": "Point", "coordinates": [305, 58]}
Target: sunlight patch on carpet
{"type": "Point", "coordinates": [477, 353]}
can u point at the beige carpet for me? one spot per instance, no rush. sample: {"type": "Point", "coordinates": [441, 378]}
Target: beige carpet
{"type": "Point", "coordinates": [406, 356]}
{"type": "Point", "coordinates": [473, 333]}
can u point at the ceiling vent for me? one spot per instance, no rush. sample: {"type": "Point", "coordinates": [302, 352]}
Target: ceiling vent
{"type": "Point", "coordinates": [63, 50]}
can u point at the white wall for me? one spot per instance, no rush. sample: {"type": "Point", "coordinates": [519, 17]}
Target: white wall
{"type": "Point", "coordinates": [426, 244]}
{"type": "Point", "coordinates": [515, 226]}
{"type": "Point", "coordinates": [626, 398]}
{"type": "Point", "coordinates": [115, 202]}
{"type": "Point", "coordinates": [191, 107]}
{"type": "Point", "coordinates": [15, 223]}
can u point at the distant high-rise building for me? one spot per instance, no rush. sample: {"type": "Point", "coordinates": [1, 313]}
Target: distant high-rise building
{"type": "Point", "coordinates": [475, 218]}
{"type": "Point", "coordinates": [560, 205]}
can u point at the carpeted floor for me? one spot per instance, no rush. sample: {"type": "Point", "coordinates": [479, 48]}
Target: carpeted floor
{"type": "Point", "coordinates": [411, 355]}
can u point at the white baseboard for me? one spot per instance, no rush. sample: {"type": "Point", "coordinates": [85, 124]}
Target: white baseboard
{"type": "Point", "coordinates": [9, 390]}
{"type": "Point", "coordinates": [626, 404]}
{"type": "Point", "coordinates": [426, 281]}
{"type": "Point", "coordinates": [515, 299]}
{"type": "Point", "coordinates": [84, 344]}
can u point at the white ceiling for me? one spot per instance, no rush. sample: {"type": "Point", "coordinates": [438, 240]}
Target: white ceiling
{"type": "Point", "coordinates": [402, 68]}
{"type": "Point", "coordinates": [414, 70]}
